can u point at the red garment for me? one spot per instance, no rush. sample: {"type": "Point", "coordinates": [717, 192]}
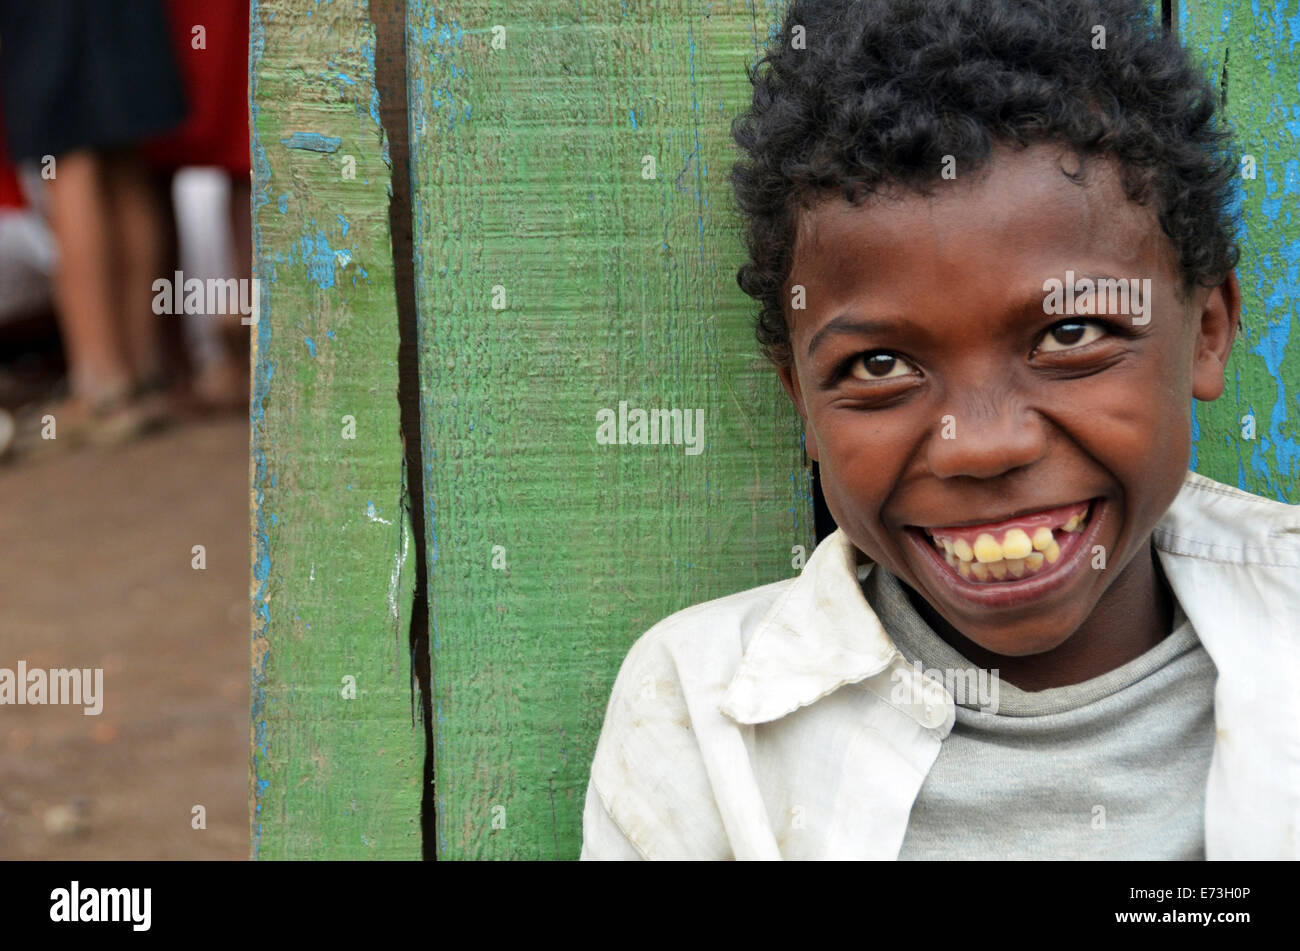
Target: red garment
{"type": "Point", "coordinates": [11, 194]}
{"type": "Point", "coordinates": [216, 87]}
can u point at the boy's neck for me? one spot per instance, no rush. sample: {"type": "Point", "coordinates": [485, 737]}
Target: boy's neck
{"type": "Point", "coordinates": [1133, 616]}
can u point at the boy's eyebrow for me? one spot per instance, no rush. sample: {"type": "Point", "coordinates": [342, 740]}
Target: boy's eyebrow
{"type": "Point", "coordinates": [843, 325]}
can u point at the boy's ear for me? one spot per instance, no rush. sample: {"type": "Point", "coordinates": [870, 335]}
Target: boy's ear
{"type": "Point", "coordinates": [1216, 328]}
{"type": "Point", "coordinates": [790, 380]}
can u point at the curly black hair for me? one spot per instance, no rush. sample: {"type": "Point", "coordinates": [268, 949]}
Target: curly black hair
{"type": "Point", "coordinates": [884, 89]}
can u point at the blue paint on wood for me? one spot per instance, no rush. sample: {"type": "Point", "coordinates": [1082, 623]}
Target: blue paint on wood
{"type": "Point", "coordinates": [312, 142]}
{"type": "Point", "coordinates": [320, 257]}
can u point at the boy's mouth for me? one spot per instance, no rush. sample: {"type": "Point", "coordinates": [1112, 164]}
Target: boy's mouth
{"type": "Point", "coordinates": [1005, 552]}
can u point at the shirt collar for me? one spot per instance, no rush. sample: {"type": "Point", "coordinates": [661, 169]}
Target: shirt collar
{"type": "Point", "coordinates": [1217, 522]}
{"type": "Point", "coordinates": [821, 634]}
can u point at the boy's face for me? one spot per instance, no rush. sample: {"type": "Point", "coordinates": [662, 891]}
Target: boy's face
{"type": "Point", "coordinates": [947, 409]}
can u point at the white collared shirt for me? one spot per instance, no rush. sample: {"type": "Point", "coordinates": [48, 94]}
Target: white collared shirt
{"type": "Point", "coordinates": [768, 724]}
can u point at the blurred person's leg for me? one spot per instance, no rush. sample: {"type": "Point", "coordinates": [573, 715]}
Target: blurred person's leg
{"type": "Point", "coordinates": [139, 230]}
{"type": "Point", "coordinates": [98, 369]}
{"type": "Point", "coordinates": [201, 198]}
{"type": "Point", "coordinates": [221, 344]}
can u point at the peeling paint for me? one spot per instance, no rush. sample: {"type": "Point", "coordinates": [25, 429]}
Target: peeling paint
{"type": "Point", "coordinates": [312, 142]}
{"type": "Point", "coordinates": [1246, 49]}
{"type": "Point", "coordinates": [329, 779]}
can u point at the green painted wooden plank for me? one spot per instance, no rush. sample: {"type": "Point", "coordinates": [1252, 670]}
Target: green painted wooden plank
{"type": "Point", "coordinates": [1253, 46]}
{"type": "Point", "coordinates": [332, 777]}
{"type": "Point", "coordinates": [527, 161]}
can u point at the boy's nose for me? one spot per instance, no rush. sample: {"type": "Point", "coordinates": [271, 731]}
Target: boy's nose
{"type": "Point", "coordinates": [983, 440]}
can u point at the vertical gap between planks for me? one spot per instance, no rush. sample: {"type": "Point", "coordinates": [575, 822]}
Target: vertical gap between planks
{"type": "Point", "coordinates": [389, 18]}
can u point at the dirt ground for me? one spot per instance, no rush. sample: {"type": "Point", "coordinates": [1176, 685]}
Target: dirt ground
{"type": "Point", "coordinates": [95, 571]}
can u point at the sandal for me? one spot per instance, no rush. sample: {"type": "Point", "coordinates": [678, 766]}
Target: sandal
{"type": "Point", "coordinates": [74, 421]}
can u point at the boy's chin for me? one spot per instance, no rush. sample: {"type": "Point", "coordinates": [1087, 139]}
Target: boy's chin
{"type": "Point", "coordinates": [1024, 641]}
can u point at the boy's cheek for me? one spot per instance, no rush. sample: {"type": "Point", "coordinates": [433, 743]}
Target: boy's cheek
{"type": "Point", "coordinates": [855, 504]}
{"type": "Point", "coordinates": [1137, 432]}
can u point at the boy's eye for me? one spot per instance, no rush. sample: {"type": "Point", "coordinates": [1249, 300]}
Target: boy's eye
{"type": "Point", "coordinates": [1070, 335]}
{"type": "Point", "coordinates": [880, 365]}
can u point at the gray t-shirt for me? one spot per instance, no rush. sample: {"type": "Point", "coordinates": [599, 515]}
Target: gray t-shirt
{"type": "Point", "coordinates": [1111, 768]}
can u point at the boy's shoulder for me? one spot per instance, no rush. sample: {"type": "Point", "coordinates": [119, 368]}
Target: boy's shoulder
{"type": "Point", "coordinates": [1231, 558]}
{"type": "Point", "coordinates": [1218, 522]}
{"type": "Point", "coordinates": [650, 773]}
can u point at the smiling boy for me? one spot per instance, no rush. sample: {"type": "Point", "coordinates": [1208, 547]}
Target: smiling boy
{"type": "Point", "coordinates": [945, 201]}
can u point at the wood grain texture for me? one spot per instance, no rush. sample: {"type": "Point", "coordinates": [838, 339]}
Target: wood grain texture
{"type": "Point", "coordinates": [527, 174]}
{"type": "Point", "coordinates": [331, 579]}
{"type": "Point", "coordinates": [1250, 48]}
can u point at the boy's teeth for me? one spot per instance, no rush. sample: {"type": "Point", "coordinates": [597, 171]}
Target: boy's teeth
{"type": "Point", "coordinates": [1017, 554]}
{"type": "Point", "coordinates": [987, 549]}
{"type": "Point", "coordinates": [1016, 544]}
